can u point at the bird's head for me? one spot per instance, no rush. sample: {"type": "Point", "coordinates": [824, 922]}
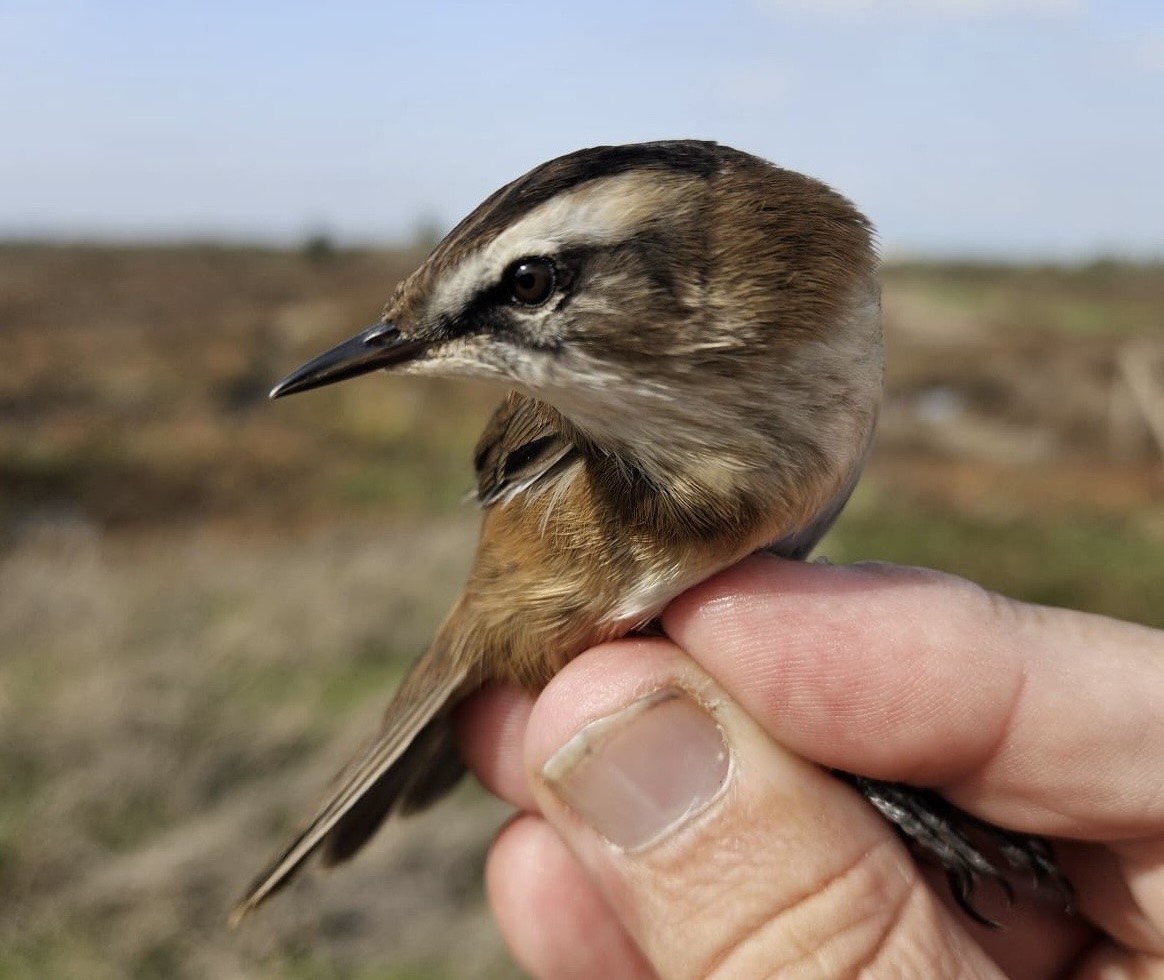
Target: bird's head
{"type": "Point", "coordinates": [650, 293]}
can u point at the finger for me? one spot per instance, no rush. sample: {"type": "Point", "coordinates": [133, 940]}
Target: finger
{"type": "Point", "coordinates": [1039, 719]}
{"type": "Point", "coordinates": [490, 727]}
{"type": "Point", "coordinates": [1120, 888]}
{"type": "Point", "coordinates": [552, 917]}
{"type": "Point", "coordinates": [1036, 938]}
{"type": "Point", "coordinates": [1109, 962]}
{"type": "Point", "coordinates": [718, 850]}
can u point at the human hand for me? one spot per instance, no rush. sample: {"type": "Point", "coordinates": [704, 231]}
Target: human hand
{"type": "Point", "coordinates": [686, 835]}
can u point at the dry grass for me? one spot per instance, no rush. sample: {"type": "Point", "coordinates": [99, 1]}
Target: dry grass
{"type": "Point", "coordinates": [170, 705]}
{"type": "Point", "coordinates": [204, 597]}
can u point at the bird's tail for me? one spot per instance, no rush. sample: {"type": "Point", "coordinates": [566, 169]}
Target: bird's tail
{"type": "Point", "coordinates": [410, 763]}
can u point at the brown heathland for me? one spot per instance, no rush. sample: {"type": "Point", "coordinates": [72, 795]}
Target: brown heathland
{"type": "Point", "coordinates": [204, 597]}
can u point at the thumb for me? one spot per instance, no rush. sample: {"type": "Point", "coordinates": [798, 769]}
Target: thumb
{"type": "Point", "coordinates": [720, 852]}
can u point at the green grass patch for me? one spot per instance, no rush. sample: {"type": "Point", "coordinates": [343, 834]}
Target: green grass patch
{"type": "Point", "coordinates": [310, 967]}
{"type": "Point", "coordinates": [1095, 564]}
{"type": "Point", "coordinates": [405, 482]}
{"type": "Point", "coordinates": [330, 687]}
{"type": "Point", "coordinates": [1094, 300]}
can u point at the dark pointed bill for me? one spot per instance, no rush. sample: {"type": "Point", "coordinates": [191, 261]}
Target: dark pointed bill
{"type": "Point", "coordinates": [380, 346]}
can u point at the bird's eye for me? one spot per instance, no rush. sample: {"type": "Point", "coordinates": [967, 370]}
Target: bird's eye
{"type": "Point", "coordinates": [532, 281]}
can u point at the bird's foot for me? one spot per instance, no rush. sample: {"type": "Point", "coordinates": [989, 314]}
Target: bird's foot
{"type": "Point", "coordinates": [967, 849]}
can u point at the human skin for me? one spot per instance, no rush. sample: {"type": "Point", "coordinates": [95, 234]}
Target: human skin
{"type": "Point", "coordinates": [1046, 721]}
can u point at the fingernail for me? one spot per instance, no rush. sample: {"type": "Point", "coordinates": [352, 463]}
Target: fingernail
{"type": "Point", "coordinates": [642, 773]}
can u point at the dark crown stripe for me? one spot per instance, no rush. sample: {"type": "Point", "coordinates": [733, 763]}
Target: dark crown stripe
{"type": "Point", "coordinates": [515, 199]}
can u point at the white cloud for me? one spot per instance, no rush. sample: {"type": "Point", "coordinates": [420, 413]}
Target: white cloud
{"type": "Point", "coordinates": [933, 9]}
{"type": "Point", "coordinates": [1147, 54]}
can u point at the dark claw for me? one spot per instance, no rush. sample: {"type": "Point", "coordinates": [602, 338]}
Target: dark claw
{"type": "Point", "coordinates": [940, 831]}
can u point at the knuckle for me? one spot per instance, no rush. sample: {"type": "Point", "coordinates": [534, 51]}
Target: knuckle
{"type": "Point", "coordinates": [852, 921]}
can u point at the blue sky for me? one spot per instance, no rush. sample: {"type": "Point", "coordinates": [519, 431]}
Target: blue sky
{"type": "Point", "coordinates": [1028, 128]}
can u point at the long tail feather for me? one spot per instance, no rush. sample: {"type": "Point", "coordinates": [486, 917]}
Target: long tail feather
{"type": "Point", "coordinates": [429, 768]}
{"type": "Point", "coordinates": [409, 764]}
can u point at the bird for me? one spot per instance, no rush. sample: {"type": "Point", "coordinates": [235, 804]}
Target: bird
{"type": "Point", "coordinates": [691, 340]}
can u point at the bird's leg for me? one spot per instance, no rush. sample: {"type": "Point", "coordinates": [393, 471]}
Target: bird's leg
{"type": "Point", "coordinates": [966, 848]}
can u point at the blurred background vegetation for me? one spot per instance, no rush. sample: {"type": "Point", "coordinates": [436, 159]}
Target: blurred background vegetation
{"type": "Point", "coordinates": [205, 597]}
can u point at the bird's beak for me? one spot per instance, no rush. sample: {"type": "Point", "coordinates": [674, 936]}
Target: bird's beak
{"type": "Point", "coordinates": [380, 346]}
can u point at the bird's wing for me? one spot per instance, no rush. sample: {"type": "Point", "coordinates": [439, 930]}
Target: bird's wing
{"type": "Point", "coordinates": [412, 760]}
{"type": "Point", "coordinates": [799, 544]}
{"type": "Point", "coordinates": [522, 445]}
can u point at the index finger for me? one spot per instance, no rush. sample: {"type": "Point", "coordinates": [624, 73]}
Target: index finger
{"type": "Point", "coordinates": [1039, 719]}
